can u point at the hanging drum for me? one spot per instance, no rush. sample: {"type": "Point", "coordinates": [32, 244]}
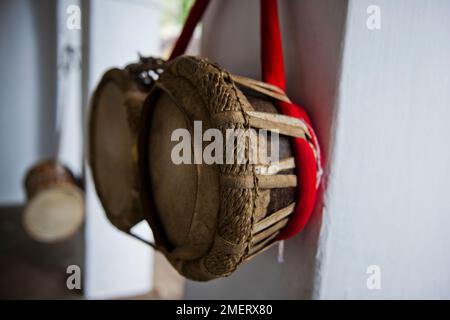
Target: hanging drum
{"type": "Point", "coordinates": [148, 141]}
{"type": "Point", "coordinates": [113, 126]}
{"type": "Point", "coordinates": [55, 206]}
{"type": "Point", "coordinates": [209, 218]}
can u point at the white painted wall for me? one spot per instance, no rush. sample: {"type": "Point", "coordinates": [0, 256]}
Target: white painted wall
{"type": "Point", "coordinates": [27, 91]}
{"type": "Point", "coordinates": [380, 101]}
{"type": "Point", "coordinates": [117, 265]}
{"type": "Point", "coordinates": [387, 200]}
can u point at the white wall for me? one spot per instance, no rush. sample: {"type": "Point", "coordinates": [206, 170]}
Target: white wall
{"type": "Point", "coordinates": [27, 91]}
{"type": "Point", "coordinates": [387, 201]}
{"type": "Point", "coordinates": [117, 265]}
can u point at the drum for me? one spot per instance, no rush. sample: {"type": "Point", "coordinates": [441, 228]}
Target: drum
{"type": "Point", "coordinates": [207, 218]}
{"type": "Point", "coordinates": [113, 126]}
{"type": "Point", "coordinates": [55, 206]}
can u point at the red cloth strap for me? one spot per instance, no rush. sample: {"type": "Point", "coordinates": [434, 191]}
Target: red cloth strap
{"type": "Point", "coordinates": [273, 72]}
{"type": "Point", "coordinates": [195, 15]}
{"type": "Point", "coordinates": [272, 66]}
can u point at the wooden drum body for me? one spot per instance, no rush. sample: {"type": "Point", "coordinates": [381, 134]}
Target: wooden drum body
{"type": "Point", "coordinates": [209, 218]}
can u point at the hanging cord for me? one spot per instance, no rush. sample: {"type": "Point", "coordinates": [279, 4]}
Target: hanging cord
{"type": "Point", "coordinates": [137, 237]}
{"type": "Point", "coordinates": [69, 60]}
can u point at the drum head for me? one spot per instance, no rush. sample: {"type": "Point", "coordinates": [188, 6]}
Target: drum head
{"type": "Point", "coordinates": [111, 151]}
{"type": "Point", "coordinates": [54, 214]}
{"type": "Point", "coordinates": [182, 192]}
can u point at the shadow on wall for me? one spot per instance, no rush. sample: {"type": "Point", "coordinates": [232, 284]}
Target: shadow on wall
{"type": "Point", "coordinates": [27, 94]}
{"type": "Point", "coordinates": [44, 21]}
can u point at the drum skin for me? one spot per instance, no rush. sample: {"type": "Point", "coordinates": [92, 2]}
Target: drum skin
{"type": "Point", "coordinates": [113, 126]}
{"type": "Point", "coordinates": [208, 219]}
{"type": "Point", "coordinates": [113, 122]}
{"type": "Point", "coordinates": [55, 206]}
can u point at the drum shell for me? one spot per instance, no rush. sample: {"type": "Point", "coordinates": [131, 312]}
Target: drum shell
{"type": "Point", "coordinates": [227, 240]}
{"type": "Point", "coordinates": [46, 174]}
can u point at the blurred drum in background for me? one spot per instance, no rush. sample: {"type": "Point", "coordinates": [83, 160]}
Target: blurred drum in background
{"type": "Point", "coordinates": [55, 206]}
